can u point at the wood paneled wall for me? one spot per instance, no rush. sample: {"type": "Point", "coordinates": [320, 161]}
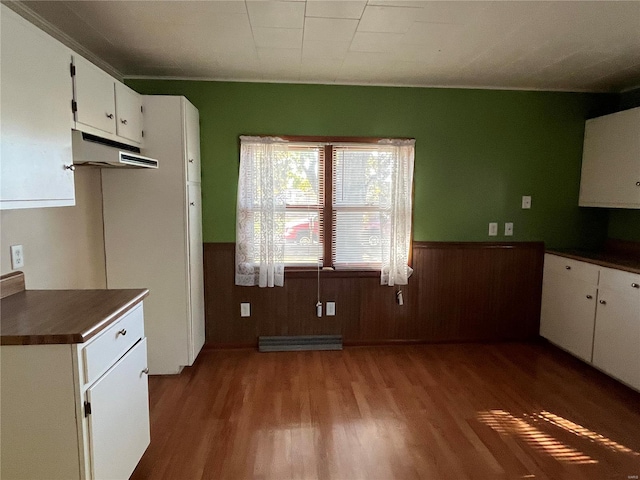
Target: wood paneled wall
{"type": "Point", "coordinates": [458, 292]}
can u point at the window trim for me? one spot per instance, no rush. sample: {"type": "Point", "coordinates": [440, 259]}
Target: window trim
{"type": "Point", "coordinates": [327, 208]}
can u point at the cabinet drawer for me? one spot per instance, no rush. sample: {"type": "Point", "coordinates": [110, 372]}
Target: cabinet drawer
{"type": "Point", "coordinates": [586, 272]}
{"type": "Point", "coordinates": [103, 352]}
{"type": "Point", "coordinates": [619, 280]}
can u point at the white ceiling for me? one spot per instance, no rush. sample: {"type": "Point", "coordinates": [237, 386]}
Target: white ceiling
{"type": "Point", "coordinates": [561, 45]}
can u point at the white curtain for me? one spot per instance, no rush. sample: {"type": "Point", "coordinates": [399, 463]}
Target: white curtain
{"type": "Point", "coordinates": [395, 259]}
{"type": "Point", "coordinates": [261, 212]}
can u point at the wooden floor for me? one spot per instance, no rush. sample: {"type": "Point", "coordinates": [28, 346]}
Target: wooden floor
{"type": "Point", "coordinates": [469, 411]}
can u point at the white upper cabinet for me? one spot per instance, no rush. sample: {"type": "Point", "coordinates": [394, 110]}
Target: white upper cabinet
{"type": "Point", "coordinates": [128, 113]}
{"type": "Point", "coordinates": [95, 98]}
{"type": "Point", "coordinates": [36, 117]}
{"type": "Point", "coordinates": [192, 134]}
{"type": "Point", "coordinates": [104, 106]}
{"type": "Point", "coordinates": [611, 161]}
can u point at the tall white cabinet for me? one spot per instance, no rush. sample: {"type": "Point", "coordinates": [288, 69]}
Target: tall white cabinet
{"type": "Point", "coordinates": [153, 233]}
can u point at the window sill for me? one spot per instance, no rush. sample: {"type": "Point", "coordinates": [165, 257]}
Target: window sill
{"type": "Point", "coordinates": [299, 272]}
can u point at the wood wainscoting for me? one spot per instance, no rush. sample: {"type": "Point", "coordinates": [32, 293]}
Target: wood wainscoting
{"type": "Point", "coordinates": [458, 292]}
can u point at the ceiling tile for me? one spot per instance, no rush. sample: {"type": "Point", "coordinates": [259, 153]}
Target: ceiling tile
{"type": "Point", "coordinates": [329, 29]}
{"type": "Point", "coordinates": [278, 37]}
{"type": "Point", "coordinates": [276, 14]}
{"type": "Point", "coordinates": [375, 42]}
{"type": "Point", "coordinates": [388, 19]}
{"type": "Point", "coordinates": [327, 50]}
{"type": "Point", "coordinates": [458, 12]}
{"type": "Point", "coordinates": [289, 56]}
{"type": "Point", "coordinates": [335, 9]}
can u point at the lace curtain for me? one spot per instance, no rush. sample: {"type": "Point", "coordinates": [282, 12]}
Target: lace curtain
{"type": "Point", "coordinates": [395, 259]}
{"type": "Point", "coordinates": [261, 212]}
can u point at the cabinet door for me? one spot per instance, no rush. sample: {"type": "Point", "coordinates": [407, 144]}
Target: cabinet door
{"type": "Point", "coordinates": [568, 312]}
{"type": "Point", "coordinates": [129, 113]}
{"type": "Point", "coordinates": [617, 334]}
{"type": "Point", "coordinates": [192, 126]}
{"type": "Point", "coordinates": [610, 161]}
{"type": "Point", "coordinates": [119, 419]}
{"type": "Point", "coordinates": [36, 117]}
{"type": "Point", "coordinates": [95, 97]}
{"type": "Point", "coordinates": [196, 277]}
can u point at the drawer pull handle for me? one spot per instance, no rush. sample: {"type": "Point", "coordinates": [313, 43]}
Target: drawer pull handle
{"type": "Point", "coordinates": [122, 332]}
{"type": "Point", "coordinates": [145, 371]}
{"type": "Point", "coordinates": [71, 168]}
{"type": "Point", "coordinates": [568, 267]}
{"type": "Point", "coordinates": [602, 302]}
{"type": "Point", "coordinates": [123, 121]}
{"type": "Point", "coordinates": [589, 297]}
{"type": "Point", "coordinates": [109, 115]}
{"type": "Point", "coordinates": [191, 160]}
{"type": "Point", "coordinates": [635, 285]}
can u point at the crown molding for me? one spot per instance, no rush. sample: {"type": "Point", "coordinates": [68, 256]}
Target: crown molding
{"type": "Point", "coordinates": [22, 8]}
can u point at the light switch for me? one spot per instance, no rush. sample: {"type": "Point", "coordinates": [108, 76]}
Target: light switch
{"type": "Point", "coordinates": [245, 309]}
{"type": "Point", "coordinates": [493, 229]}
{"type": "Point", "coordinates": [526, 201]}
{"type": "Point", "coordinates": [508, 229]}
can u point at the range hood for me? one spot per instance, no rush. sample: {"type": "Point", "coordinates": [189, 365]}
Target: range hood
{"type": "Point", "coordinates": [98, 152]}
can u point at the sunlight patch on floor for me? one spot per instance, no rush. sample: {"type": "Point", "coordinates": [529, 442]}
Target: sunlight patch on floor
{"type": "Point", "coordinates": [583, 432]}
{"type": "Point", "coordinates": [505, 423]}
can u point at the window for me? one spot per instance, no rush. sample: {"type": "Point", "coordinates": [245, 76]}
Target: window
{"type": "Point", "coordinates": [329, 202]}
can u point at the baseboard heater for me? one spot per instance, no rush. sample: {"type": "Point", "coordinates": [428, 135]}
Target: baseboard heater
{"type": "Point", "coordinates": [299, 343]}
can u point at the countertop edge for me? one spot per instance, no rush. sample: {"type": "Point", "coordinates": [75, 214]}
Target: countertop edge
{"type": "Point", "coordinates": [100, 326]}
{"type": "Point", "coordinates": [75, 338]}
{"type": "Point", "coordinates": [594, 261]}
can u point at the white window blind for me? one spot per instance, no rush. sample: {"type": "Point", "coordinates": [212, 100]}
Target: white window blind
{"type": "Point", "coordinates": [361, 205]}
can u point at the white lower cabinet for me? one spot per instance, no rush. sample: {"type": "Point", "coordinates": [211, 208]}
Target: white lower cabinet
{"type": "Point", "coordinates": [68, 414]}
{"type": "Point", "coordinates": [593, 313]}
{"type": "Point", "coordinates": [616, 343]}
{"type": "Point", "coordinates": [120, 410]}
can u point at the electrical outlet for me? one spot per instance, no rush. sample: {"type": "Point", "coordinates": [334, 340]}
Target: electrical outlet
{"type": "Point", "coordinates": [245, 309]}
{"type": "Point", "coordinates": [508, 229]}
{"type": "Point", "coordinates": [319, 309]}
{"type": "Point", "coordinates": [17, 257]}
{"type": "Point", "coordinates": [493, 229]}
{"type": "Point", "coordinates": [331, 309]}
{"type": "Point", "coordinates": [526, 201]}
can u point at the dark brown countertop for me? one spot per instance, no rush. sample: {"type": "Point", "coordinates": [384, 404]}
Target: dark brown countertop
{"type": "Point", "coordinates": [628, 263]}
{"type": "Point", "coordinates": [32, 317]}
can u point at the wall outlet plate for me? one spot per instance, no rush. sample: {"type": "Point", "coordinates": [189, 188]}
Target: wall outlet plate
{"type": "Point", "coordinates": [526, 201]}
{"type": "Point", "coordinates": [508, 229]}
{"type": "Point", "coordinates": [493, 229]}
{"type": "Point", "coordinates": [17, 257]}
{"type": "Point", "coordinates": [331, 309]}
{"type": "Point", "coordinates": [245, 309]}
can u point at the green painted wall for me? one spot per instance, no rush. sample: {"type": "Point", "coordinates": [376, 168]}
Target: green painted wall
{"type": "Point", "coordinates": [624, 224]}
{"type": "Point", "coordinates": [477, 151]}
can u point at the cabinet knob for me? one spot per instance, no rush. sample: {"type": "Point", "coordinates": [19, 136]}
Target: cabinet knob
{"type": "Point", "coordinates": [109, 115]}
{"type": "Point", "coordinates": [71, 168]}
{"type": "Point", "coordinates": [193, 204]}
{"type": "Point", "coordinates": [637, 184]}
{"type": "Point", "coordinates": [191, 160]}
{"type": "Point", "coordinates": [568, 267]}
{"type": "Point", "coordinates": [123, 121]}
{"type": "Point", "coordinates": [145, 371]}
{"type": "Point", "coordinates": [122, 332]}
{"type": "Point", "coordinates": [589, 297]}
{"type": "Point", "coordinates": [602, 302]}
{"type": "Point", "coordinates": [635, 285]}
